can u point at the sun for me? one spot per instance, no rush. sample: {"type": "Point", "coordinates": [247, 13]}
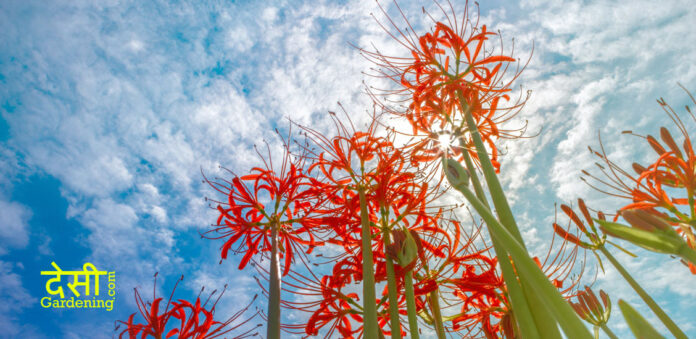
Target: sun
{"type": "Point", "coordinates": [445, 141]}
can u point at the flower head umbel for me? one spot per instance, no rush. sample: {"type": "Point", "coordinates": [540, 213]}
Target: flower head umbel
{"type": "Point", "coordinates": [589, 227]}
{"type": "Point", "coordinates": [184, 319]}
{"type": "Point", "coordinates": [451, 72]}
{"type": "Point", "coordinates": [281, 197]}
{"type": "Point", "coordinates": [666, 188]}
{"type": "Point", "coordinates": [355, 160]}
{"type": "Point", "coordinates": [590, 309]}
{"type": "Point", "coordinates": [272, 211]}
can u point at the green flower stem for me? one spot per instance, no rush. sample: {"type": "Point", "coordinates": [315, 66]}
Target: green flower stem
{"type": "Point", "coordinates": [273, 329]}
{"type": "Point", "coordinates": [393, 295]}
{"type": "Point", "coordinates": [478, 188]}
{"type": "Point", "coordinates": [543, 321]}
{"type": "Point", "coordinates": [523, 315]}
{"type": "Point", "coordinates": [370, 327]}
{"type": "Point", "coordinates": [608, 331]}
{"type": "Point", "coordinates": [521, 310]}
{"type": "Point", "coordinates": [434, 300]}
{"type": "Point", "coordinates": [671, 326]}
{"type": "Point", "coordinates": [497, 195]}
{"type": "Point", "coordinates": [411, 305]}
{"type": "Point", "coordinates": [540, 316]}
{"type": "Point", "coordinates": [529, 271]}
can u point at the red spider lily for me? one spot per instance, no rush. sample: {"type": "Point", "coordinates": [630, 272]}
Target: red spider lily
{"type": "Point", "coordinates": [482, 295]}
{"type": "Point", "coordinates": [673, 168]}
{"type": "Point", "coordinates": [590, 231]}
{"type": "Point", "coordinates": [664, 188]}
{"type": "Point", "coordinates": [483, 303]}
{"type": "Point", "coordinates": [196, 321]}
{"type": "Point", "coordinates": [272, 211]}
{"type": "Point", "coordinates": [395, 200]}
{"type": "Point", "coordinates": [284, 197]}
{"type": "Point", "coordinates": [446, 65]}
{"type": "Point", "coordinates": [465, 276]}
{"type": "Point", "coordinates": [644, 191]}
{"type": "Point", "coordinates": [393, 192]}
{"type": "Point", "coordinates": [476, 287]}
{"type": "Point", "coordinates": [596, 236]}
{"type": "Point", "coordinates": [331, 309]}
{"type": "Point", "coordinates": [590, 309]}
{"type": "Point", "coordinates": [346, 162]}
{"type": "Point", "coordinates": [677, 170]}
{"type": "Point", "coordinates": [154, 321]}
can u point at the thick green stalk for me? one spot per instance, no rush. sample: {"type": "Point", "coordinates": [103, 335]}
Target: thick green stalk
{"type": "Point", "coordinates": [543, 321]}
{"type": "Point", "coordinates": [500, 202]}
{"type": "Point", "coordinates": [273, 329]}
{"type": "Point", "coordinates": [437, 313]}
{"type": "Point", "coordinates": [478, 188]}
{"type": "Point", "coordinates": [370, 327]}
{"type": "Point", "coordinates": [393, 295]}
{"type": "Point", "coordinates": [609, 332]}
{"type": "Point", "coordinates": [540, 317]}
{"type": "Point", "coordinates": [523, 314]}
{"type": "Point", "coordinates": [529, 271]}
{"type": "Point", "coordinates": [671, 326]}
{"type": "Point", "coordinates": [411, 305]}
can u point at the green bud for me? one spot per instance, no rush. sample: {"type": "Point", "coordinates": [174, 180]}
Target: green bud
{"type": "Point", "coordinates": [646, 221]}
{"type": "Point", "coordinates": [456, 174]}
{"type": "Point", "coordinates": [403, 249]}
{"type": "Point", "coordinates": [653, 240]}
{"type": "Point", "coordinates": [409, 252]}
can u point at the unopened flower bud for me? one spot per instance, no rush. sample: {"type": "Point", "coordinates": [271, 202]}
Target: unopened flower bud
{"type": "Point", "coordinates": [456, 174]}
{"type": "Point", "coordinates": [645, 220]}
{"type": "Point", "coordinates": [590, 309]}
{"type": "Point", "coordinates": [650, 232]}
{"type": "Point", "coordinates": [403, 249]}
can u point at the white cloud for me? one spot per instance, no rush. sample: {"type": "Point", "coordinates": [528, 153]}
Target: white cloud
{"type": "Point", "coordinates": [15, 298]}
{"type": "Point", "coordinates": [14, 218]}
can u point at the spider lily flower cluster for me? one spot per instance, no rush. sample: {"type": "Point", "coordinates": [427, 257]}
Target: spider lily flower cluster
{"type": "Point", "coordinates": [347, 230]}
{"type": "Point", "coordinates": [449, 67]}
{"type": "Point", "coordinates": [183, 319]}
{"type": "Point", "coordinates": [591, 310]}
{"type": "Point", "coordinates": [661, 208]}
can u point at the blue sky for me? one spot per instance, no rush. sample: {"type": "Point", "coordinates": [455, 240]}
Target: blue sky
{"type": "Point", "coordinates": [109, 110]}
